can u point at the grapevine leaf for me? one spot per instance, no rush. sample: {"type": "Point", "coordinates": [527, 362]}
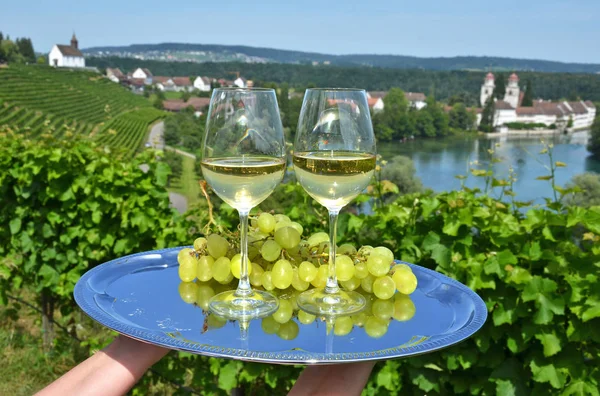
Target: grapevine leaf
{"type": "Point", "coordinates": [228, 375]}
{"type": "Point", "coordinates": [548, 373]}
{"type": "Point", "coordinates": [550, 342]}
{"type": "Point", "coordinates": [591, 313]}
{"type": "Point", "coordinates": [581, 388]}
{"type": "Point", "coordinates": [15, 225]}
{"type": "Point", "coordinates": [540, 290]}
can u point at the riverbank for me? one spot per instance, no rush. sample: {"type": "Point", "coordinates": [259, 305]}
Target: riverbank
{"type": "Point", "coordinates": [530, 133]}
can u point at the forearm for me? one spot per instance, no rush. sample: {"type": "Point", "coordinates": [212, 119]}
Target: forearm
{"type": "Point", "coordinates": [339, 379]}
{"type": "Point", "coordinates": [112, 371]}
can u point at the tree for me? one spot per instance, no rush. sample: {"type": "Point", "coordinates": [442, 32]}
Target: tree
{"type": "Point", "coordinates": [594, 142]}
{"type": "Point", "coordinates": [500, 89]}
{"type": "Point", "coordinates": [487, 116]}
{"type": "Point", "coordinates": [41, 60]}
{"type": "Point", "coordinates": [186, 95]}
{"type": "Point", "coordinates": [401, 171]}
{"type": "Point", "coordinates": [438, 116]}
{"type": "Point", "coordinates": [424, 124]}
{"type": "Point", "coordinates": [25, 48]}
{"type": "Point", "coordinates": [589, 184]}
{"type": "Point", "coordinates": [284, 104]}
{"type": "Point", "coordinates": [460, 118]}
{"type": "Point", "coordinates": [528, 95]}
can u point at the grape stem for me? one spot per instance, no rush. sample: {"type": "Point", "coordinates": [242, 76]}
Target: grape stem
{"type": "Point", "coordinates": [211, 217]}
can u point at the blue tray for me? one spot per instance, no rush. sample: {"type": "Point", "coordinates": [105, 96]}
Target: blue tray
{"type": "Point", "coordinates": [138, 295]}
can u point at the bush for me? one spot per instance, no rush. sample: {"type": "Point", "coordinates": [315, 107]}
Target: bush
{"type": "Point", "coordinates": [68, 206]}
{"type": "Point", "coordinates": [402, 172]}
{"type": "Point", "coordinates": [589, 184]}
{"type": "Point", "coordinates": [527, 125]}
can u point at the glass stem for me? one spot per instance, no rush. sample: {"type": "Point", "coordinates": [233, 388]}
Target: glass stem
{"type": "Point", "coordinates": [244, 289]}
{"type": "Point", "coordinates": [332, 284]}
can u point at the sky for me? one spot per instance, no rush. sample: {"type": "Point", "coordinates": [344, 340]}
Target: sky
{"type": "Point", "coordinates": [567, 30]}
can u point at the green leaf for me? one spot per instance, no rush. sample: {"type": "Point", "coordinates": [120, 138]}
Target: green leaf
{"type": "Point", "coordinates": [14, 225]}
{"type": "Point", "coordinates": [162, 173]}
{"type": "Point", "coordinates": [549, 177]}
{"type": "Point", "coordinates": [505, 388]}
{"type": "Point", "coordinates": [429, 205]}
{"type": "Point", "coordinates": [451, 226]}
{"type": "Point", "coordinates": [519, 275]}
{"type": "Point", "coordinates": [550, 342]}
{"type": "Point", "coordinates": [581, 388]}
{"type": "Point", "coordinates": [548, 234]}
{"type": "Point", "coordinates": [548, 373]}
{"type": "Point", "coordinates": [591, 313]}
{"type": "Point", "coordinates": [355, 223]}
{"type": "Point", "coordinates": [541, 291]}
{"type": "Point", "coordinates": [441, 255]}
{"type": "Point", "coordinates": [228, 375]}
{"type": "Point", "coordinates": [430, 241]}
{"type": "Point", "coordinates": [506, 257]}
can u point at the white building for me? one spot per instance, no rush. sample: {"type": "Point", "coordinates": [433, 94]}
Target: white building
{"type": "Point", "coordinates": [240, 82]}
{"type": "Point", "coordinates": [202, 84]}
{"type": "Point", "coordinates": [548, 113]}
{"type": "Point", "coordinates": [66, 55]}
{"type": "Point", "coordinates": [143, 74]}
{"type": "Point", "coordinates": [416, 100]}
{"type": "Point", "coordinates": [115, 75]}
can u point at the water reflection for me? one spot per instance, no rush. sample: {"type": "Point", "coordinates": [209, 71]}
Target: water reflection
{"type": "Point", "coordinates": [439, 161]}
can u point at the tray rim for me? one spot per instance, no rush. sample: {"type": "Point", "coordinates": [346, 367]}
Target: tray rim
{"type": "Point", "coordinates": [284, 357]}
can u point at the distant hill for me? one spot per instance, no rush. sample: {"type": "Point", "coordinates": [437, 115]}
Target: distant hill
{"type": "Point", "coordinates": [39, 99]}
{"type": "Point", "coordinates": [229, 53]}
{"type": "Point", "coordinates": [442, 83]}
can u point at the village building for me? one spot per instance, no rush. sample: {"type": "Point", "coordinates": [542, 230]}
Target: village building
{"type": "Point", "coordinates": [66, 55]}
{"type": "Point", "coordinates": [416, 100]}
{"type": "Point", "coordinates": [202, 84]}
{"type": "Point", "coordinates": [115, 75]}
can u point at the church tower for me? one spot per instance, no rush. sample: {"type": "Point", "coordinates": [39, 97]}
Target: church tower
{"type": "Point", "coordinates": [74, 42]}
{"type": "Point", "coordinates": [512, 91]}
{"type": "Point", "coordinates": [487, 89]}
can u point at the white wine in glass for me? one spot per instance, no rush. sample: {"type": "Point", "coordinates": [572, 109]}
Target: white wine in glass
{"type": "Point", "coordinates": [334, 160]}
{"type": "Point", "coordinates": [243, 161]}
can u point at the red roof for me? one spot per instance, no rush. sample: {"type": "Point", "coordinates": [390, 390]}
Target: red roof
{"type": "Point", "coordinates": [372, 101]}
{"type": "Point", "coordinates": [178, 104]}
{"type": "Point", "coordinates": [182, 81]}
{"type": "Point", "coordinates": [590, 104]}
{"type": "Point", "coordinates": [415, 96]}
{"type": "Point", "coordinates": [578, 107]}
{"type": "Point", "coordinates": [377, 94]}
{"type": "Point", "coordinates": [513, 77]}
{"type": "Point", "coordinates": [489, 76]}
{"type": "Point", "coordinates": [161, 79]}
{"type": "Point", "coordinates": [502, 105]}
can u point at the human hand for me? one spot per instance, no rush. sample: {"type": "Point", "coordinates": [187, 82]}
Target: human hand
{"type": "Point", "coordinates": [339, 379]}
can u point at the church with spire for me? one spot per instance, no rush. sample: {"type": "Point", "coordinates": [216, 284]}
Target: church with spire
{"type": "Point", "coordinates": [512, 94]}
{"type": "Point", "coordinates": [66, 55]}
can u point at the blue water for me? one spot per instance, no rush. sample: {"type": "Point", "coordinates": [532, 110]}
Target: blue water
{"type": "Point", "coordinates": [438, 161]}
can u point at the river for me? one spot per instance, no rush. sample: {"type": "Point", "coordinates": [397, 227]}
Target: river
{"type": "Point", "coordinates": [439, 161]}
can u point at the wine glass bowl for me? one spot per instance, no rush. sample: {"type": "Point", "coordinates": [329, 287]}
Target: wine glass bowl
{"type": "Point", "coordinates": [334, 160]}
{"type": "Point", "coordinates": [243, 160]}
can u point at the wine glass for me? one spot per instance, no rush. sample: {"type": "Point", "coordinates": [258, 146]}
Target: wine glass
{"type": "Point", "coordinates": [243, 160]}
{"type": "Point", "coordinates": [334, 160]}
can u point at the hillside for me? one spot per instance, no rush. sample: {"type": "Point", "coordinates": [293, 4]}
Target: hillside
{"type": "Point", "coordinates": [442, 83]}
{"type": "Point", "coordinates": [240, 53]}
{"type": "Point", "coordinates": [36, 99]}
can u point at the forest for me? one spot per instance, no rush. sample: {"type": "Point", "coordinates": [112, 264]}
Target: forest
{"type": "Point", "coordinates": [441, 84]}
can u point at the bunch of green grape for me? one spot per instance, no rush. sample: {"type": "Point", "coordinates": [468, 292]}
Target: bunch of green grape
{"type": "Point", "coordinates": [287, 321]}
{"type": "Point", "coordinates": [280, 260]}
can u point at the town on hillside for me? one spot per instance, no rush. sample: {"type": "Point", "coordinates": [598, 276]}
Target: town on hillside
{"type": "Point", "coordinates": [503, 112]}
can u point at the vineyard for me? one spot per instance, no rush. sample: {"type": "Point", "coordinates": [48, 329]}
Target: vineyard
{"type": "Point", "coordinates": [36, 98]}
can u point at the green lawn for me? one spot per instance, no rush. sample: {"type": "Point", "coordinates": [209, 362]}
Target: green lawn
{"type": "Point", "coordinates": [187, 184]}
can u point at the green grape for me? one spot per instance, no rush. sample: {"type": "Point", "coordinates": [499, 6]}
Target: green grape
{"type": "Point", "coordinates": [351, 284]}
{"type": "Point", "coordinates": [217, 245]}
{"type": "Point", "coordinates": [377, 265]}
{"type": "Point", "coordinates": [203, 296]}
{"type": "Point", "coordinates": [317, 239]}
{"type": "Point", "coordinates": [228, 279]}
{"type": "Point", "coordinates": [253, 223]}
{"type": "Point", "coordinates": [359, 319]}
{"type": "Point", "coordinates": [282, 274]}
{"type": "Point", "coordinates": [200, 244]}
{"type": "Point", "coordinates": [252, 252]}
{"type": "Point", "coordinates": [383, 309]}
{"type": "Point", "coordinates": [298, 283]}
{"type": "Point", "coordinates": [267, 281]}
{"type": "Point", "coordinates": [215, 322]}
{"type": "Point", "coordinates": [404, 308]}
{"type": "Point", "coordinates": [360, 270]}
{"type": "Point", "coordinates": [367, 283]}
{"type": "Point", "coordinates": [343, 326]}
{"type": "Point", "coordinates": [269, 325]}
{"type": "Point", "coordinates": [384, 287]}
{"type": "Point", "coordinates": [365, 250]}
{"type": "Point", "coordinates": [323, 248]}
{"type": "Point", "coordinates": [306, 318]}
{"type": "Point", "coordinates": [282, 218]}
{"type": "Point", "coordinates": [288, 330]}
{"type": "Point", "coordinates": [375, 327]}
{"type": "Point", "coordinates": [270, 250]}
{"type": "Point", "coordinates": [284, 312]}
{"type": "Point", "coordinates": [256, 275]}
{"type": "Point", "coordinates": [344, 268]}
{"type": "Point", "coordinates": [401, 267]}
{"type": "Point", "coordinates": [406, 282]}
{"type": "Point", "coordinates": [236, 266]}
{"type": "Point", "coordinates": [287, 237]}
{"type": "Point", "coordinates": [188, 266]}
{"type": "Point", "coordinates": [347, 249]}
{"type": "Point", "coordinates": [296, 226]}
{"type": "Point", "coordinates": [183, 253]}
{"type": "Point", "coordinates": [295, 251]}
{"type": "Point", "coordinates": [385, 253]}
{"type": "Point", "coordinates": [321, 278]}
{"type": "Point", "coordinates": [187, 292]}
{"type": "Point", "coordinates": [294, 299]}
{"type": "Point", "coordinates": [307, 271]}
{"type": "Point", "coordinates": [204, 268]}
{"type": "Point", "coordinates": [221, 269]}
{"type": "Point", "coordinates": [266, 223]}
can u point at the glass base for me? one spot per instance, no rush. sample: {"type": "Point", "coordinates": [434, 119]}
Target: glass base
{"type": "Point", "coordinates": [256, 305]}
{"type": "Point", "coordinates": [318, 302]}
